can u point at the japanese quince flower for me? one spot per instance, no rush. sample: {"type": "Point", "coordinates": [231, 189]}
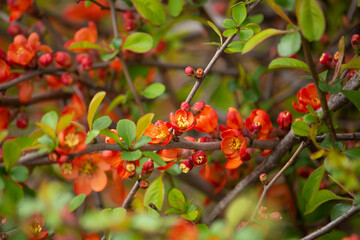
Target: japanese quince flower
{"type": "Point", "coordinates": [259, 121]}
{"type": "Point", "coordinates": [207, 120]}
{"type": "Point", "coordinates": [307, 96]}
{"type": "Point", "coordinates": [18, 7]}
{"type": "Point", "coordinates": [182, 121]}
{"type": "Point", "coordinates": [34, 228]}
{"type": "Point", "coordinates": [159, 133]}
{"type": "Point", "coordinates": [234, 146]}
{"type": "Point", "coordinates": [71, 140]}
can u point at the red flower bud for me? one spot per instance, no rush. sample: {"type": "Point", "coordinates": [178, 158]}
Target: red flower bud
{"type": "Point", "coordinates": [199, 72]}
{"type": "Point", "coordinates": [85, 62]}
{"type": "Point", "coordinates": [53, 156]}
{"type": "Point", "coordinates": [128, 15]}
{"type": "Point", "coordinates": [198, 107]}
{"type": "Point", "coordinates": [326, 59]}
{"type": "Point", "coordinates": [185, 106]}
{"type": "Point", "coordinates": [189, 71]}
{"type": "Point", "coordinates": [199, 158]}
{"type": "Point", "coordinates": [324, 39]}
{"type": "Point", "coordinates": [147, 168]}
{"type": "Point", "coordinates": [186, 165]}
{"type": "Point", "coordinates": [63, 59]}
{"type": "Point", "coordinates": [66, 79]}
{"type": "Point", "coordinates": [129, 25]}
{"type": "Point", "coordinates": [144, 184]}
{"type": "Point", "coordinates": [284, 120]}
{"type": "Point", "coordinates": [263, 178]}
{"type": "Point", "coordinates": [22, 120]}
{"type": "Point", "coordinates": [14, 30]}
{"type": "Point", "coordinates": [355, 39]}
{"type": "Point", "coordinates": [350, 74]}
{"type": "Point", "coordinates": [45, 60]}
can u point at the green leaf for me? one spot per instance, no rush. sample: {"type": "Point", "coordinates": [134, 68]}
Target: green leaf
{"type": "Point", "coordinates": [85, 44]}
{"type": "Point", "coordinates": [64, 122]}
{"type": "Point", "coordinates": [126, 130]}
{"type": "Point", "coordinates": [175, 7]}
{"type": "Point", "coordinates": [108, 56]}
{"type": "Point", "coordinates": [319, 198]}
{"type": "Point", "coordinates": [336, 87]}
{"type": "Point", "coordinates": [142, 141]}
{"type": "Point", "coordinates": [93, 106]}
{"type": "Point", "coordinates": [311, 19]}
{"type": "Point", "coordinates": [352, 64]}
{"type": "Point", "coordinates": [213, 43]}
{"type": "Point", "coordinates": [11, 153]}
{"type": "Point", "coordinates": [191, 216]}
{"type": "Point", "coordinates": [236, 46]}
{"type": "Point", "coordinates": [155, 194]}
{"type": "Point", "coordinates": [288, 63]}
{"type": "Point", "coordinates": [279, 11]}
{"type": "Point", "coordinates": [19, 173]}
{"type": "Point", "coordinates": [102, 123]}
{"type": "Point", "coordinates": [25, 142]}
{"type": "Point", "coordinates": [353, 96]}
{"type": "Point", "coordinates": [230, 32]}
{"type": "Point", "coordinates": [338, 210]}
{"type": "Point", "coordinates": [260, 37]}
{"type": "Point", "coordinates": [289, 44]}
{"type": "Point", "coordinates": [155, 157]}
{"type": "Point", "coordinates": [88, 3]}
{"type": "Point", "coordinates": [353, 153]}
{"type": "Point", "coordinates": [113, 136]}
{"type": "Point", "coordinates": [138, 42]}
{"type": "Point", "coordinates": [313, 183]}
{"type": "Point", "coordinates": [245, 34]}
{"type": "Point", "coordinates": [47, 129]}
{"type": "Point", "coordinates": [176, 199]}
{"type": "Point", "coordinates": [229, 23]}
{"type": "Point", "coordinates": [131, 156]}
{"type": "Point", "coordinates": [173, 211]}
{"type": "Point", "coordinates": [301, 128]}
{"type": "Point", "coordinates": [118, 100]}
{"type": "Point", "coordinates": [151, 10]}
{"type": "Point", "coordinates": [254, 27]}
{"type": "Point", "coordinates": [310, 118]}
{"type": "Point", "coordinates": [239, 14]}
{"type": "Point", "coordinates": [216, 29]}
{"type": "Point", "coordinates": [76, 202]}
{"type": "Point", "coordinates": [51, 119]}
{"type": "Point", "coordinates": [3, 134]}
{"type": "Point", "coordinates": [154, 90]}
{"type": "Point", "coordinates": [142, 124]}
{"type": "Point", "coordinates": [116, 42]}
{"type": "Point", "coordinates": [91, 135]}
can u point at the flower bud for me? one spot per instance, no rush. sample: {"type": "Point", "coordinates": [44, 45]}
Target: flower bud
{"type": "Point", "coordinates": [199, 72]}
{"type": "Point", "coordinates": [147, 168]}
{"type": "Point", "coordinates": [63, 59]}
{"type": "Point", "coordinates": [45, 60]}
{"type": "Point", "coordinates": [66, 79]}
{"type": "Point", "coordinates": [189, 71]}
{"type": "Point", "coordinates": [324, 39]}
{"type": "Point", "coordinates": [129, 25]}
{"type": "Point", "coordinates": [263, 178]}
{"type": "Point", "coordinates": [198, 107]}
{"type": "Point", "coordinates": [185, 106]}
{"type": "Point", "coordinates": [350, 74]}
{"type": "Point", "coordinates": [144, 184]}
{"type": "Point", "coordinates": [199, 158]}
{"type": "Point", "coordinates": [326, 59]}
{"type": "Point", "coordinates": [14, 30]}
{"type": "Point", "coordinates": [128, 15]}
{"type": "Point", "coordinates": [22, 120]}
{"type": "Point", "coordinates": [53, 157]}
{"type": "Point", "coordinates": [85, 62]}
{"type": "Point", "coordinates": [355, 39]}
{"type": "Point", "coordinates": [186, 165]}
{"type": "Point", "coordinates": [336, 56]}
{"type": "Point", "coordinates": [284, 120]}
{"type": "Point", "coordinates": [276, 216]}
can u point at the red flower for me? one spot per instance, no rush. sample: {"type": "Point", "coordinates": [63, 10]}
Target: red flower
{"type": "Point", "coordinates": [259, 119]}
{"type": "Point", "coordinates": [71, 140]}
{"type": "Point", "coordinates": [183, 230]}
{"type": "Point", "coordinates": [170, 154]}
{"type": "Point", "coordinates": [34, 228]}
{"type": "Point", "coordinates": [182, 121]}
{"type": "Point", "coordinates": [88, 172]}
{"type": "Point", "coordinates": [159, 133]}
{"type": "Point", "coordinates": [18, 7]}
{"type": "Point", "coordinates": [25, 91]}
{"type": "Point", "coordinates": [307, 96]}
{"type": "Point", "coordinates": [4, 71]}
{"type": "Point", "coordinates": [234, 146]}
{"type": "Point", "coordinates": [5, 118]}
{"type": "Point", "coordinates": [79, 12]}
{"type": "Point", "coordinates": [207, 120]}
{"type": "Point", "coordinates": [77, 107]}
{"type": "Point", "coordinates": [84, 34]}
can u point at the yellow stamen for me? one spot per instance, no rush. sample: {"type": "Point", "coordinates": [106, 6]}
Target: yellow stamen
{"type": "Point", "coordinates": [235, 143]}
{"type": "Point", "coordinates": [182, 122]}
{"type": "Point", "coordinates": [35, 227]}
{"type": "Point", "coordinates": [88, 168]}
{"type": "Point", "coordinates": [130, 167]}
{"type": "Point", "coordinates": [66, 168]}
{"type": "Point", "coordinates": [71, 140]}
{"type": "Point", "coordinates": [199, 159]}
{"type": "Point", "coordinates": [184, 168]}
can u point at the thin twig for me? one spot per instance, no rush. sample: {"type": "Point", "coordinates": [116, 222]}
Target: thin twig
{"type": "Point", "coordinates": [153, 206]}
{"type": "Point", "coordinates": [130, 196]}
{"type": "Point", "coordinates": [102, 7]}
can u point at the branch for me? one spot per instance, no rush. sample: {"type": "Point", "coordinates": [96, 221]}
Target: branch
{"type": "Point", "coordinates": [331, 225]}
{"type": "Point", "coordinates": [102, 7]}
{"type": "Point", "coordinates": [130, 196]}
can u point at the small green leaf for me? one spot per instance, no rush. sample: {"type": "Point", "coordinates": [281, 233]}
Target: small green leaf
{"type": "Point", "coordinates": [319, 198]}
{"type": "Point", "coordinates": [191, 216]}
{"type": "Point", "coordinates": [213, 43]}
{"type": "Point", "coordinates": [155, 194]}
{"type": "Point", "coordinates": [151, 10]}
{"type": "Point", "coordinates": [93, 106]}
{"type": "Point", "coordinates": [116, 42]}
{"type": "Point", "coordinates": [175, 7]}
{"type": "Point", "coordinates": [279, 11]}
{"type": "Point", "coordinates": [102, 123]}
{"type": "Point", "coordinates": [142, 141]}
{"type": "Point", "coordinates": [51, 119]}
{"type": "Point", "coordinates": [352, 64]}
{"type": "Point", "coordinates": [353, 153]}
{"type": "Point", "coordinates": [310, 118]}
{"type": "Point", "coordinates": [3, 134]}
{"type": "Point", "coordinates": [229, 23]}
{"type": "Point", "coordinates": [131, 156]}
{"type": "Point", "coordinates": [301, 128]}
{"type": "Point", "coordinates": [154, 90]}
{"type": "Point", "coordinates": [338, 210]}
{"type": "Point", "coordinates": [19, 173]}
{"type": "Point", "coordinates": [216, 29]}
{"type": "Point", "coordinates": [289, 44]}
{"type": "Point", "coordinates": [126, 130]}
{"type": "Point", "coordinates": [91, 135]}
{"type": "Point", "coordinates": [142, 124]}
{"type": "Point", "coordinates": [112, 135]}
{"type": "Point", "coordinates": [64, 122]}
{"type": "Point", "coordinates": [260, 37]}
{"type": "Point", "coordinates": [85, 44]}
{"type": "Point", "coordinates": [138, 42]}
{"type": "Point", "coordinates": [116, 101]}
{"type": "Point", "coordinates": [311, 19]}
{"type": "Point", "coordinates": [88, 3]}
{"type": "Point", "coordinates": [236, 46]}
{"type": "Point", "coordinates": [155, 157]}
{"type": "Point", "coordinates": [176, 199]}
{"type": "Point", "coordinates": [108, 56]}
{"type": "Point", "coordinates": [173, 211]}
{"type": "Point", "coordinates": [239, 14]}
{"type": "Point", "coordinates": [254, 27]}
{"type": "Point", "coordinates": [245, 34]}
{"type": "Point", "coordinates": [336, 87]}
{"type": "Point", "coordinates": [353, 96]}
{"type": "Point", "coordinates": [11, 153]}
{"type": "Point", "coordinates": [288, 63]}
{"type": "Point", "coordinates": [230, 32]}
{"type": "Point", "coordinates": [76, 202]}
{"type": "Point", "coordinates": [47, 129]}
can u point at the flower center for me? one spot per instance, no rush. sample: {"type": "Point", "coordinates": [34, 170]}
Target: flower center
{"type": "Point", "coordinates": [315, 100]}
{"type": "Point", "coordinates": [162, 134]}
{"type": "Point", "coordinates": [87, 168]}
{"type": "Point", "coordinates": [182, 122]}
{"type": "Point", "coordinates": [71, 140]}
{"type": "Point", "coordinates": [130, 167]}
{"type": "Point", "coordinates": [199, 159]}
{"type": "Point", "coordinates": [35, 227]}
{"type": "Point", "coordinates": [66, 168]}
{"type": "Point", "coordinates": [235, 143]}
{"type": "Point", "coordinates": [184, 168]}
{"type": "Point", "coordinates": [20, 51]}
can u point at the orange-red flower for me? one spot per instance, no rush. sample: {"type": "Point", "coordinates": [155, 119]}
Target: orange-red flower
{"type": "Point", "coordinates": [159, 133]}
{"type": "Point", "coordinates": [183, 230]}
{"type": "Point", "coordinates": [4, 71]}
{"type": "Point", "coordinates": [259, 120]}
{"type": "Point", "coordinates": [79, 12]}
{"type": "Point", "coordinates": [34, 228]}
{"type": "Point", "coordinates": [207, 120]}
{"type": "Point", "coordinates": [182, 121]}
{"type": "Point", "coordinates": [88, 172]}
{"type": "Point", "coordinates": [18, 7]}
{"type": "Point", "coordinates": [77, 107]}
{"type": "Point", "coordinates": [234, 119]}
{"type": "Point", "coordinates": [307, 96]}
{"type": "Point", "coordinates": [89, 33]}
{"type": "Point", "coordinates": [25, 91]}
{"type": "Point", "coordinates": [71, 140]}
{"type": "Point", "coordinates": [5, 118]}
{"type": "Point", "coordinates": [170, 154]}
{"type": "Point", "coordinates": [234, 146]}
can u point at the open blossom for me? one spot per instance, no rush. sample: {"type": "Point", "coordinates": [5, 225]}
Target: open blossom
{"type": "Point", "coordinates": [307, 96]}
{"type": "Point", "coordinates": [77, 107]}
{"type": "Point", "coordinates": [4, 71]}
{"type": "Point", "coordinates": [234, 146]}
{"type": "Point", "coordinates": [71, 140]}
{"type": "Point", "coordinates": [34, 228]}
{"type": "Point", "coordinates": [79, 12]}
{"type": "Point", "coordinates": [88, 172]}
{"type": "Point", "coordinates": [207, 120]}
{"type": "Point", "coordinates": [18, 7]}
{"type": "Point", "coordinates": [259, 120]}
{"type": "Point", "coordinates": [182, 121]}
{"type": "Point", "coordinates": [159, 133]}
{"type": "Point", "coordinates": [89, 34]}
